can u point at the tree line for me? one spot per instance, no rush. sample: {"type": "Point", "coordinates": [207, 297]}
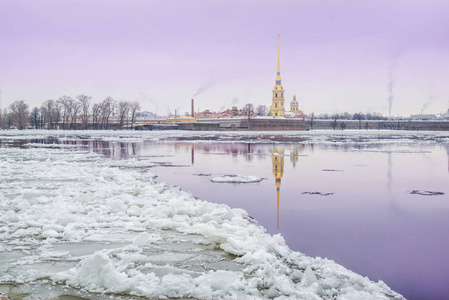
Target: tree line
{"type": "Point", "coordinates": [312, 118]}
{"type": "Point", "coordinates": [348, 116]}
{"type": "Point", "coordinates": [69, 113]}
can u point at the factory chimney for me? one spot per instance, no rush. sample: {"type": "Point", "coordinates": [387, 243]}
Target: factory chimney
{"type": "Point", "coordinates": [193, 111]}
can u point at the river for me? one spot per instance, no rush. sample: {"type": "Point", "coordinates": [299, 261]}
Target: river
{"type": "Point", "coordinates": [376, 204]}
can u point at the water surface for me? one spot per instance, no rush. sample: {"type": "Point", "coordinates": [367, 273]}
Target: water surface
{"type": "Point", "coordinates": [349, 203]}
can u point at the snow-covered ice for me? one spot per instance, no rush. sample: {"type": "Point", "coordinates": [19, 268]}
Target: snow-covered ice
{"type": "Point", "coordinates": [74, 219]}
{"type": "Point", "coordinates": [236, 179]}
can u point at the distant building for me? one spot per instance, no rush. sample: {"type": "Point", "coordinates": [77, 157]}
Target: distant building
{"type": "Point", "coordinates": [180, 119]}
{"type": "Point", "coordinates": [294, 112]}
{"type": "Point", "coordinates": [423, 117]}
{"type": "Point", "coordinates": [294, 106]}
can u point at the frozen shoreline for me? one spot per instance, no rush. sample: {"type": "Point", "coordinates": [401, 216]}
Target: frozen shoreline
{"type": "Point", "coordinates": [316, 136]}
{"type": "Point", "coordinates": [72, 218]}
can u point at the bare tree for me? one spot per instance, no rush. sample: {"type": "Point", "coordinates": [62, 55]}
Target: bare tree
{"type": "Point", "coordinates": [44, 116]}
{"type": "Point", "coordinates": [324, 116]}
{"type": "Point", "coordinates": [312, 120]}
{"type": "Point", "coordinates": [76, 106]}
{"type": "Point", "coordinates": [47, 111]}
{"type": "Point", "coordinates": [57, 114]}
{"type": "Point", "coordinates": [35, 118]}
{"type": "Point", "coordinates": [262, 110]}
{"type": "Point", "coordinates": [334, 120]}
{"type": "Point", "coordinates": [359, 116]}
{"type": "Point", "coordinates": [19, 113]}
{"type": "Point", "coordinates": [3, 118]}
{"type": "Point", "coordinates": [67, 104]}
{"type": "Point", "coordinates": [123, 110]}
{"type": "Point", "coordinates": [84, 102]}
{"type": "Point", "coordinates": [96, 115]}
{"type": "Point", "coordinates": [107, 109]}
{"type": "Point", "coordinates": [248, 110]}
{"type": "Point", "coordinates": [135, 107]}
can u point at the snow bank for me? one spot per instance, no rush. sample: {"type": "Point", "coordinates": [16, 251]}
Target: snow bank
{"type": "Point", "coordinates": [72, 219]}
{"type": "Point", "coordinates": [236, 179]}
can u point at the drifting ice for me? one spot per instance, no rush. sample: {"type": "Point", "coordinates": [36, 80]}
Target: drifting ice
{"type": "Point", "coordinates": [74, 219]}
{"type": "Point", "coordinates": [236, 179]}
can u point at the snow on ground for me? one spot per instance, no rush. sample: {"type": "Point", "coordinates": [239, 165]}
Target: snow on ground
{"type": "Point", "coordinates": [74, 219]}
{"type": "Point", "coordinates": [236, 179]}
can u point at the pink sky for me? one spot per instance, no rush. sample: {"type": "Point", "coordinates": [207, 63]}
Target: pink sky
{"type": "Point", "coordinates": [336, 55]}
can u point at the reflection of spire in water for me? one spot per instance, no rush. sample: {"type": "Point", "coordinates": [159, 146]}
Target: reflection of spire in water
{"type": "Point", "coordinates": [193, 155]}
{"type": "Point", "coordinates": [278, 171]}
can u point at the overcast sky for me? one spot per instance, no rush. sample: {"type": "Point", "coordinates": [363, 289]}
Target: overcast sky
{"type": "Point", "coordinates": [337, 55]}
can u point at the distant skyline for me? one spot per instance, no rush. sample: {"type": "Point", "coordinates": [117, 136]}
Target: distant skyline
{"type": "Point", "coordinates": [337, 56]}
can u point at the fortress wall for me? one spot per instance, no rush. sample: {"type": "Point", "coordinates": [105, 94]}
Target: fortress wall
{"type": "Point", "coordinates": [297, 124]}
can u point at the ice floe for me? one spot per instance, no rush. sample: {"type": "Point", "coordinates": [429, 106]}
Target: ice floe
{"type": "Point", "coordinates": [317, 193]}
{"type": "Point", "coordinates": [236, 179]}
{"type": "Point", "coordinates": [426, 193]}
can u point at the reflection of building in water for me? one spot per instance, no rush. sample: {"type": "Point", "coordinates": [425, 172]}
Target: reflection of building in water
{"type": "Point", "coordinates": [278, 171]}
{"type": "Point", "coordinates": [115, 150]}
{"type": "Point", "coordinates": [294, 154]}
{"type": "Point", "coordinates": [294, 157]}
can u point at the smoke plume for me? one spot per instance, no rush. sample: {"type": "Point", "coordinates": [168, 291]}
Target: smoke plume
{"type": "Point", "coordinates": [147, 99]}
{"type": "Point", "coordinates": [204, 87]}
{"type": "Point", "coordinates": [426, 105]}
{"type": "Point", "coordinates": [431, 98]}
{"type": "Point", "coordinates": [390, 87]}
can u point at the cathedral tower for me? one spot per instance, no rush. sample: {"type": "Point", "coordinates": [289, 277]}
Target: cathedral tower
{"type": "Point", "coordinates": [294, 105]}
{"type": "Point", "coordinates": [277, 106]}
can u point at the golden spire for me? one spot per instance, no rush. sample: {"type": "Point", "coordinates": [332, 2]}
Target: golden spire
{"type": "Point", "coordinates": [278, 74]}
{"type": "Point", "coordinates": [279, 68]}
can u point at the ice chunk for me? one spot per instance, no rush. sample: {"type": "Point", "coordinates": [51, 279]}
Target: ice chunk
{"type": "Point", "coordinates": [426, 193]}
{"type": "Point", "coordinates": [236, 179]}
